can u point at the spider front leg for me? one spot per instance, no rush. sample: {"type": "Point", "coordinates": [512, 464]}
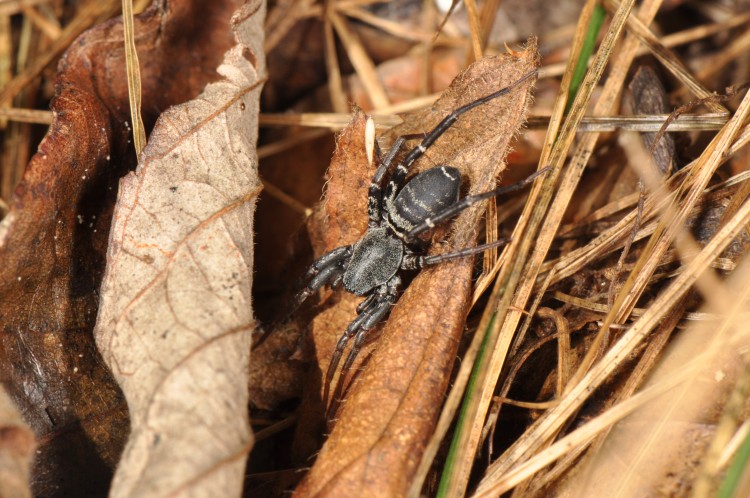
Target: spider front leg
{"type": "Point", "coordinates": [399, 175]}
{"type": "Point", "coordinates": [375, 194]}
{"type": "Point", "coordinates": [371, 311]}
{"type": "Point", "coordinates": [327, 268]}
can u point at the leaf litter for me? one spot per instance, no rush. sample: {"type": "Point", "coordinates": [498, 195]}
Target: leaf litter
{"type": "Point", "coordinates": [78, 423]}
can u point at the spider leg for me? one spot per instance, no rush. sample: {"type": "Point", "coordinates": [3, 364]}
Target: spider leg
{"type": "Point", "coordinates": [366, 303]}
{"type": "Point", "coordinates": [328, 258]}
{"type": "Point", "coordinates": [371, 312]}
{"type": "Point", "coordinates": [375, 316]}
{"type": "Point", "coordinates": [467, 201]}
{"type": "Point", "coordinates": [417, 262]}
{"type": "Point", "coordinates": [378, 312]}
{"type": "Point", "coordinates": [399, 175]}
{"type": "Point", "coordinates": [327, 268]}
{"type": "Point", "coordinates": [375, 194]}
{"type": "Point", "coordinates": [326, 274]}
{"type": "Point", "coordinates": [350, 331]}
{"type": "Point", "coordinates": [336, 283]}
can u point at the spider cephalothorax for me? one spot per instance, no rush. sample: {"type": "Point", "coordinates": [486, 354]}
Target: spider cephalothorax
{"type": "Point", "coordinates": [373, 266]}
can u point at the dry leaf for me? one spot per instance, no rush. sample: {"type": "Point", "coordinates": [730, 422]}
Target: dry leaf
{"type": "Point", "coordinates": [53, 241]}
{"type": "Point", "coordinates": [650, 97]}
{"type": "Point", "coordinates": [175, 317]}
{"type": "Point", "coordinates": [16, 450]}
{"type": "Point", "coordinates": [392, 407]}
{"type": "Point", "coordinates": [335, 222]}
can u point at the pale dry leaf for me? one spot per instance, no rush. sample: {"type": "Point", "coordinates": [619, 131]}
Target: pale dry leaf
{"type": "Point", "coordinates": [175, 317]}
{"type": "Point", "coordinates": [16, 450]}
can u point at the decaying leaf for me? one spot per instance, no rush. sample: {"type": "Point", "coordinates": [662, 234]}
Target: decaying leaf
{"type": "Point", "coordinates": [16, 450]}
{"type": "Point", "coordinates": [175, 317]}
{"type": "Point", "coordinates": [650, 97]}
{"type": "Point", "coordinates": [54, 239]}
{"type": "Point", "coordinates": [392, 406]}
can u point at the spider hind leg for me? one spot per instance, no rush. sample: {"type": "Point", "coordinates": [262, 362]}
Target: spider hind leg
{"type": "Point", "coordinates": [371, 311]}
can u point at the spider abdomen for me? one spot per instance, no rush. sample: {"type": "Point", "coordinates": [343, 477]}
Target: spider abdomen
{"type": "Point", "coordinates": [425, 195]}
{"type": "Point", "coordinates": [375, 259]}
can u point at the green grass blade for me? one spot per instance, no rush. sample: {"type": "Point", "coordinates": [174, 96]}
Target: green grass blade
{"type": "Point", "coordinates": [589, 43]}
{"type": "Point", "coordinates": [454, 450]}
{"type": "Point", "coordinates": [736, 472]}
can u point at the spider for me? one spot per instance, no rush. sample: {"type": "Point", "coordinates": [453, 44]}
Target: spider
{"type": "Point", "coordinates": [373, 266]}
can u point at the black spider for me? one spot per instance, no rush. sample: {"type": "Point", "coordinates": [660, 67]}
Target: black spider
{"type": "Point", "coordinates": [372, 266]}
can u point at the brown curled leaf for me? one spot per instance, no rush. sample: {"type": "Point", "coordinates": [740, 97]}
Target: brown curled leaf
{"type": "Point", "coordinates": [337, 221]}
{"type": "Point", "coordinates": [54, 239]}
{"type": "Point", "coordinates": [175, 317]}
{"type": "Point", "coordinates": [392, 406]}
{"type": "Point", "coordinates": [347, 180]}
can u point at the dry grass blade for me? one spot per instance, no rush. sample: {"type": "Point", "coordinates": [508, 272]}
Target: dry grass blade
{"type": "Point", "coordinates": [281, 20]}
{"type": "Point", "coordinates": [393, 404]}
{"type": "Point", "coordinates": [731, 92]}
{"type": "Point", "coordinates": [533, 244]}
{"type": "Point", "coordinates": [621, 350]}
{"type": "Point", "coordinates": [475, 30]}
{"type": "Point", "coordinates": [612, 238]}
{"type": "Point", "coordinates": [335, 86]}
{"type": "Point", "coordinates": [50, 27]}
{"type": "Point", "coordinates": [583, 152]}
{"type": "Point", "coordinates": [487, 19]}
{"type": "Point", "coordinates": [588, 124]}
{"type": "Point", "coordinates": [710, 355]}
{"type": "Point", "coordinates": [669, 226]}
{"type": "Point", "coordinates": [536, 433]}
{"type": "Point", "coordinates": [390, 27]}
{"type": "Point", "coordinates": [361, 61]}
{"type": "Point", "coordinates": [735, 50]}
{"type": "Point", "coordinates": [289, 143]}
{"type": "Point", "coordinates": [577, 440]}
{"type": "Point", "coordinates": [605, 105]}
{"type": "Point", "coordinates": [666, 57]}
{"type": "Point", "coordinates": [8, 9]}
{"type": "Point", "coordinates": [27, 115]}
{"type": "Point", "coordinates": [134, 78]}
{"type": "Point", "coordinates": [333, 120]}
{"type": "Point", "coordinates": [85, 19]}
